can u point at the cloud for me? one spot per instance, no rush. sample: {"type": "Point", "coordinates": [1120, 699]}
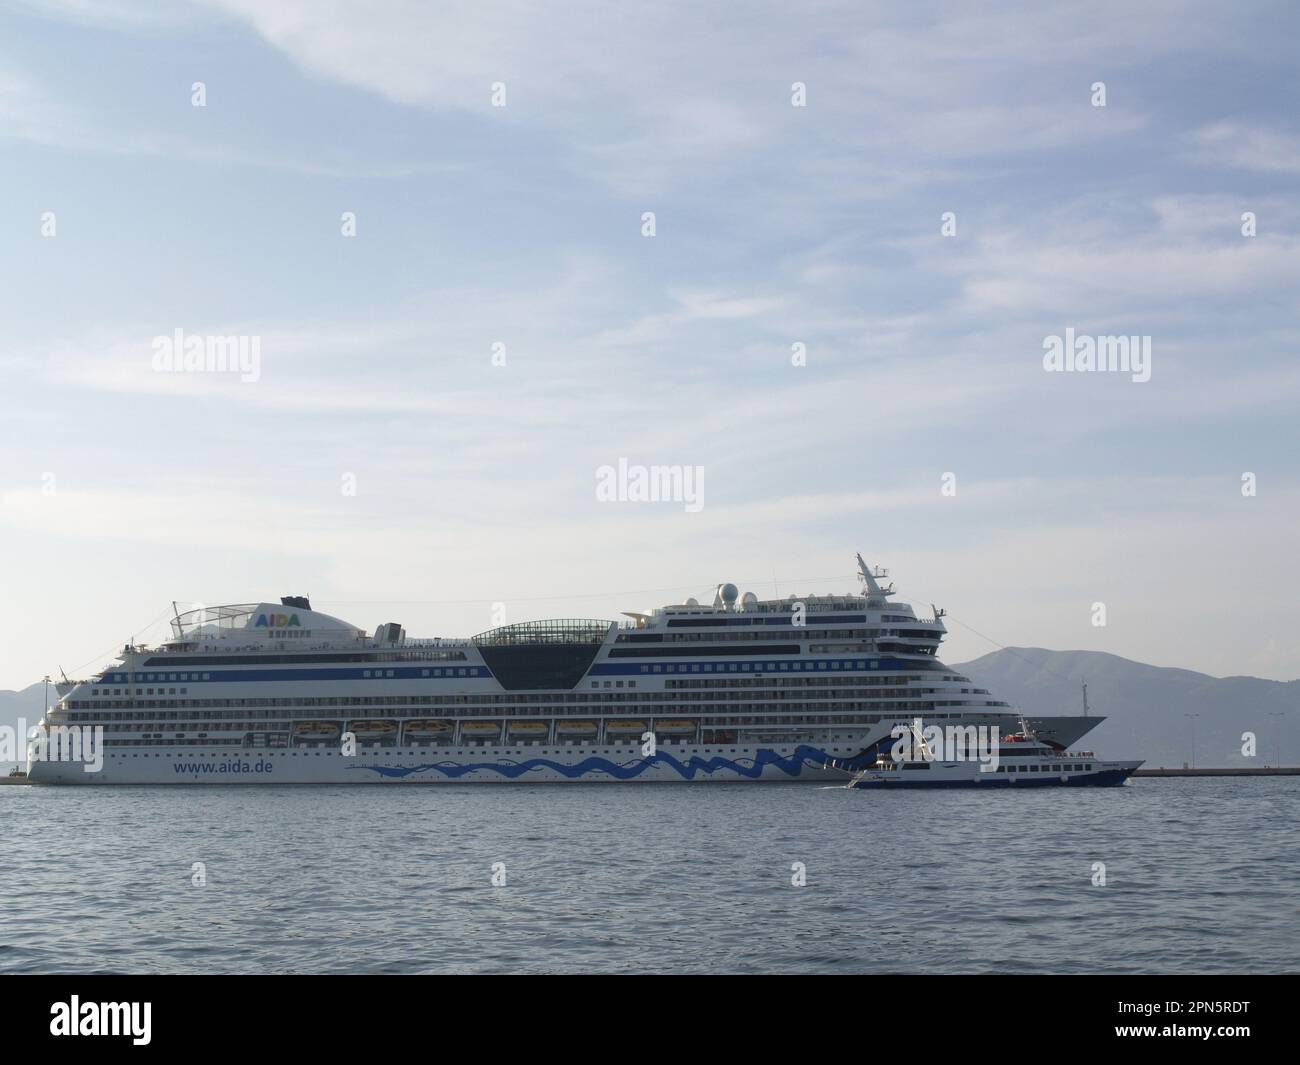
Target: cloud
{"type": "Point", "coordinates": [1246, 147]}
{"type": "Point", "coordinates": [1105, 266]}
{"type": "Point", "coordinates": [127, 15]}
{"type": "Point", "coordinates": [650, 97]}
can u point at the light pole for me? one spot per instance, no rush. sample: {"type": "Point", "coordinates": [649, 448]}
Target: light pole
{"type": "Point", "coordinates": [1192, 718]}
{"type": "Point", "coordinates": [1277, 716]}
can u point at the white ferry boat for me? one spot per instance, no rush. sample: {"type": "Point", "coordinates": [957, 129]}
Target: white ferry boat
{"type": "Point", "coordinates": [1020, 760]}
{"type": "Point", "coordinates": [740, 689]}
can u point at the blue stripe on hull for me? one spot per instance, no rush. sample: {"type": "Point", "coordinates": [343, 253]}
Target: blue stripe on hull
{"type": "Point", "coordinates": [752, 769]}
{"type": "Point", "coordinates": [620, 668]}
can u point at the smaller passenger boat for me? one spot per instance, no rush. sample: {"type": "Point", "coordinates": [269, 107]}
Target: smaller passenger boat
{"type": "Point", "coordinates": [1020, 760]}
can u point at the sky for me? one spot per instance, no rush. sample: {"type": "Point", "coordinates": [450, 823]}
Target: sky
{"type": "Point", "coordinates": [810, 255]}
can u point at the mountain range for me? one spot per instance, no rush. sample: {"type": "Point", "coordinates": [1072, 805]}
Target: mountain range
{"type": "Point", "coordinates": [1167, 716]}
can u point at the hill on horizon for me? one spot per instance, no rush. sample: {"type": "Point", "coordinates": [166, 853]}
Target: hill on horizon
{"type": "Point", "coordinates": [1147, 707]}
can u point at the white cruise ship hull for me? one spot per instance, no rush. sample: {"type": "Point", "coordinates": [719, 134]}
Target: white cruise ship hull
{"type": "Point", "coordinates": [674, 763]}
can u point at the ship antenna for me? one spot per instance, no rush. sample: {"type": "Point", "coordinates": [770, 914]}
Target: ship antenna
{"type": "Point", "coordinates": [875, 594]}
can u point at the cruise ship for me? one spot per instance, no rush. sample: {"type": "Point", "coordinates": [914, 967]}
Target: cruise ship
{"type": "Point", "coordinates": [739, 689]}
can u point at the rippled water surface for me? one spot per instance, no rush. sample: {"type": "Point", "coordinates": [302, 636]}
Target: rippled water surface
{"type": "Point", "coordinates": [1202, 875]}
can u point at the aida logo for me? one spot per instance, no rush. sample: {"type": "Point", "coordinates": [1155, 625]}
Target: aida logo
{"type": "Point", "coordinates": [277, 621]}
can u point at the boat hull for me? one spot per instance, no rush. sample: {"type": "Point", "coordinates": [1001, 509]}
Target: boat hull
{"type": "Point", "coordinates": [446, 765]}
{"type": "Point", "coordinates": [1111, 776]}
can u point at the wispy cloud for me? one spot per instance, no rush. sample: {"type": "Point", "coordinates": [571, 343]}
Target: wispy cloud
{"type": "Point", "coordinates": [1246, 147]}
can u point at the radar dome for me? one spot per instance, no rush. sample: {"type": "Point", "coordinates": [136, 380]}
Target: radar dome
{"type": "Point", "coordinates": [692, 601]}
{"type": "Point", "coordinates": [729, 592]}
{"type": "Point", "coordinates": [749, 600]}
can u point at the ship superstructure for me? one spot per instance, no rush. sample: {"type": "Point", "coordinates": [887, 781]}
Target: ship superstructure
{"type": "Point", "coordinates": [738, 689]}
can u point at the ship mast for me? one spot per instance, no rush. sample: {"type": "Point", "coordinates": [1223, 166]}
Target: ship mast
{"type": "Point", "coordinates": [875, 594]}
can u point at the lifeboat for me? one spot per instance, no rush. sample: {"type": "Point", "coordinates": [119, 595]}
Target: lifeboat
{"type": "Point", "coordinates": [675, 728]}
{"type": "Point", "coordinates": [369, 731]}
{"type": "Point", "coordinates": [428, 730]}
{"type": "Point", "coordinates": [529, 728]}
{"type": "Point", "coordinates": [480, 730]}
{"type": "Point", "coordinates": [316, 731]}
{"type": "Point", "coordinates": [575, 728]}
{"type": "Point", "coordinates": [624, 727]}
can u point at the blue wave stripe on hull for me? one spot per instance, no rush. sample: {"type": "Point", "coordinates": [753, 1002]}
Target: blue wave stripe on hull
{"type": "Point", "coordinates": [753, 768]}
